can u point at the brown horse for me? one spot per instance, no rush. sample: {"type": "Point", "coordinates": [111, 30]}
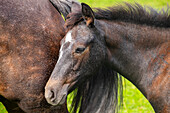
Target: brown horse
{"type": "Point", "coordinates": [127, 38]}
{"type": "Point", "coordinates": [30, 32]}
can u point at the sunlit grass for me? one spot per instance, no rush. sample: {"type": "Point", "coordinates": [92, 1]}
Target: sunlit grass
{"type": "Point", "coordinates": [158, 4]}
{"type": "Point", "coordinates": [134, 101]}
{"type": "Point", "coordinates": [2, 108]}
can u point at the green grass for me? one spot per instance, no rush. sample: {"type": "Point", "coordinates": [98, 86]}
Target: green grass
{"type": "Point", "coordinates": [134, 101]}
{"type": "Point", "coordinates": [2, 108]}
{"type": "Point", "coordinates": [106, 3]}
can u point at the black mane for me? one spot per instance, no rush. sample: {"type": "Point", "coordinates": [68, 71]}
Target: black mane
{"type": "Point", "coordinates": [135, 13]}
{"type": "Point", "coordinates": [132, 13]}
{"type": "Point", "coordinates": [100, 93]}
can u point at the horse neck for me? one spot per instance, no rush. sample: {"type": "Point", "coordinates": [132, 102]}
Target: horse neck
{"type": "Point", "coordinates": [133, 48]}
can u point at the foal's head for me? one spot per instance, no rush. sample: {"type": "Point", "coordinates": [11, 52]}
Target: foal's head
{"type": "Point", "coordinates": [82, 52]}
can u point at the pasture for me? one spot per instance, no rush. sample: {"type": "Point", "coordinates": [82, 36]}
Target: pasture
{"type": "Point", "coordinates": [134, 101]}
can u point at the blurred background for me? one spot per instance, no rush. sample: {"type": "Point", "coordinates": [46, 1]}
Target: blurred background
{"type": "Point", "coordinates": [158, 4]}
{"type": "Point", "coordinates": [134, 101]}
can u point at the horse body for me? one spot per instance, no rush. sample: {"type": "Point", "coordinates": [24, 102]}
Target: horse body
{"type": "Point", "coordinates": [127, 39]}
{"type": "Point", "coordinates": [30, 32]}
{"type": "Point", "coordinates": [141, 54]}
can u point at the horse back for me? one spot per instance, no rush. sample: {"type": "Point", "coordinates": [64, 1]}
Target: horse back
{"type": "Point", "coordinates": [30, 32]}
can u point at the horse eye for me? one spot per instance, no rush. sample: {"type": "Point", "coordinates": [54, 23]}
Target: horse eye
{"type": "Point", "coordinates": [79, 50]}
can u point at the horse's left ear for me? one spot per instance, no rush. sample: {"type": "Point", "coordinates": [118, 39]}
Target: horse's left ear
{"type": "Point", "coordinates": [88, 14]}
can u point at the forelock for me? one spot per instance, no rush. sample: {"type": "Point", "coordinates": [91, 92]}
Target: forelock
{"type": "Point", "coordinates": [72, 20]}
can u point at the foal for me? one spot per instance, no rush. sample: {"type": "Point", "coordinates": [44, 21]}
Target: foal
{"type": "Point", "coordinates": [128, 39]}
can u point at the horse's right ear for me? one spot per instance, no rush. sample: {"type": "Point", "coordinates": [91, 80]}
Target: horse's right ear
{"type": "Point", "coordinates": [88, 14]}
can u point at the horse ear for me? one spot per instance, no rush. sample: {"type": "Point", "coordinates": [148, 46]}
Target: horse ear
{"type": "Point", "coordinates": [76, 7]}
{"type": "Point", "coordinates": [88, 14]}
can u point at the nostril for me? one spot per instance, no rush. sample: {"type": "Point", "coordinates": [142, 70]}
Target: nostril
{"type": "Point", "coordinates": [52, 98]}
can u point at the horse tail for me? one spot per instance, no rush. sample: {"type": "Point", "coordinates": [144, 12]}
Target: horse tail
{"type": "Point", "coordinates": [63, 6]}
